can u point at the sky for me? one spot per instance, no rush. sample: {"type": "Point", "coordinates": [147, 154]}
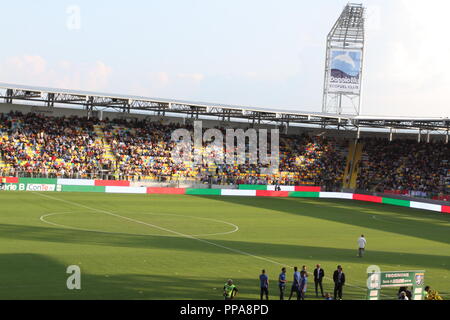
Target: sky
{"type": "Point", "coordinates": [251, 53]}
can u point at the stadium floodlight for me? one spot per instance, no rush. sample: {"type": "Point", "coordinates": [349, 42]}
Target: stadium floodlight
{"type": "Point", "coordinates": [344, 63]}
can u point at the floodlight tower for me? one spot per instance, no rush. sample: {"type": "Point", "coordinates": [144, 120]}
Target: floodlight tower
{"type": "Point", "coordinates": [344, 63]}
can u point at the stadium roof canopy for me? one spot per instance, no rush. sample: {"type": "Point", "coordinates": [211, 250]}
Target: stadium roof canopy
{"type": "Point", "coordinates": [91, 101]}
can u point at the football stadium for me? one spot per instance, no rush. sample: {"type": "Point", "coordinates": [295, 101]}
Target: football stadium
{"type": "Point", "coordinates": [124, 197]}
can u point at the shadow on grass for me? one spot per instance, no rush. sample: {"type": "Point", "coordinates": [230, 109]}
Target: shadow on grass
{"type": "Point", "coordinates": [406, 221]}
{"type": "Point", "coordinates": [274, 251]}
{"type": "Point", "coordinates": [32, 276]}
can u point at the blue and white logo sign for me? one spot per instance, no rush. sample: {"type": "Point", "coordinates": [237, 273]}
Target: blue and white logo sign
{"type": "Point", "coordinates": [419, 277]}
{"type": "Point", "coordinates": [345, 71]}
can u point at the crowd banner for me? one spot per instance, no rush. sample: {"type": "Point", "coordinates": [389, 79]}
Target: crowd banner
{"type": "Point", "coordinates": [123, 186]}
{"type": "Point", "coordinates": [336, 195]}
{"type": "Point", "coordinates": [236, 192]}
{"type": "Point", "coordinates": [159, 190]}
{"type": "Point", "coordinates": [307, 189]}
{"type": "Point", "coordinates": [282, 188]}
{"type": "Point", "coordinates": [10, 179]}
{"type": "Point", "coordinates": [75, 182]}
{"type": "Point", "coordinates": [42, 187]}
{"type": "Point", "coordinates": [112, 183]}
{"type": "Point", "coordinates": [203, 192]}
{"type": "Point", "coordinates": [296, 194]}
{"type": "Point", "coordinates": [397, 202]}
{"type": "Point", "coordinates": [426, 206]}
{"type": "Point", "coordinates": [136, 190]}
{"type": "Point", "coordinates": [252, 187]}
{"type": "Point", "coordinates": [37, 180]}
{"type": "Point", "coordinates": [12, 187]}
{"type": "Point", "coordinates": [78, 188]}
{"type": "Point", "coordinates": [367, 198]}
{"type": "Point", "coordinates": [265, 193]}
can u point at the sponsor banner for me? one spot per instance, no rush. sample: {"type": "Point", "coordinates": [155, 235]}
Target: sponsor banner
{"type": "Point", "coordinates": [109, 189]}
{"type": "Point", "coordinates": [76, 182]}
{"type": "Point", "coordinates": [9, 179]}
{"type": "Point", "coordinates": [345, 71]}
{"type": "Point", "coordinates": [336, 195]}
{"type": "Point", "coordinates": [397, 202]}
{"type": "Point", "coordinates": [402, 279]}
{"type": "Point", "coordinates": [72, 188]}
{"type": "Point", "coordinates": [234, 192]}
{"type": "Point", "coordinates": [426, 206]}
{"type": "Point", "coordinates": [363, 197]}
{"type": "Point", "coordinates": [283, 188]}
{"type": "Point", "coordinates": [42, 187]}
{"type": "Point", "coordinates": [307, 189]}
{"type": "Point", "coordinates": [37, 181]}
{"type": "Point", "coordinates": [203, 192]}
{"type": "Point", "coordinates": [12, 187]}
{"type": "Point", "coordinates": [112, 183]}
{"type": "Point", "coordinates": [265, 193]}
{"type": "Point", "coordinates": [445, 209]}
{"type": "Point", "coordinates": [297, 194]}
{"type": "Point", "coordinates": [252, 187]}
{"type": "Point", "coordinates": [158, 190]}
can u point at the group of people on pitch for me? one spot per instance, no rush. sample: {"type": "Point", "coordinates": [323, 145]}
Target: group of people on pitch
{"type": "Point", "coordinates": [300, 281]}
{"type": "Point", "coordinates": [299, 284]}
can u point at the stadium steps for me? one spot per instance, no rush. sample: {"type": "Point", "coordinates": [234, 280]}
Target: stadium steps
{"type": "Point", "coordinates": [357, 160]}
{"type": "Point", "coordinates": [3, 164]}
{"type": "Point", "coordinates": [100, 139]}
{"type": "Point", "coordinates": [351, 171]}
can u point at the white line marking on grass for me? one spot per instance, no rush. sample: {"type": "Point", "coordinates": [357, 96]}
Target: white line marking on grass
{"type": "Point", "coordinates": [236, 228]}
{"type": "Point", "coordinates": [183, 235]}
{"type": "Point", "coordinates": [161, 228]}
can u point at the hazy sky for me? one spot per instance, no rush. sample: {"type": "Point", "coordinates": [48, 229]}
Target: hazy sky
{"type": "Point", "coordinates": [247, 52]}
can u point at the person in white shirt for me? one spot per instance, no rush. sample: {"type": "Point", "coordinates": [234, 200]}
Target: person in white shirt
{"type": "Point", "coordinates": [361, 245]}
{"type": "Point", "coordinates": [403, 296]}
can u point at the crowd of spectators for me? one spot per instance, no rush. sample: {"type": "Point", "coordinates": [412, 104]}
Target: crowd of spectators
{"type": "Point", "coordinates": [144, 149]}
{"type": "Point", "coordinates": [68, 147]}
{"type": "Point", "coordinates": [41, 145]}
{"type": "Point", "coordinates": [38, 145]}
{"type": "Point", "coordinates": [404, 166]}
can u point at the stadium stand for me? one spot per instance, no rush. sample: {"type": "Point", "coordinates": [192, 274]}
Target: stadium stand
{"type": "Point", "coordinates": [76, 147]}
{"type": "Point", "coordinates": [34, 145]}
{"type": "Point", "coordinates": [404, 167]}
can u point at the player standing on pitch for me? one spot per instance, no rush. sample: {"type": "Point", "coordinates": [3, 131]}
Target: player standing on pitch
{"type": "Point", "coordinates": [361, 245]}
{"type": "Point", "coordinates": [229, 290]}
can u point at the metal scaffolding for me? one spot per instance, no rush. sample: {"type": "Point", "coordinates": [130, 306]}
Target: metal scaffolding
{"type": "Point", "coordinates": [91, 102]}
{"type": "Point", "coordinates": [345, 38]}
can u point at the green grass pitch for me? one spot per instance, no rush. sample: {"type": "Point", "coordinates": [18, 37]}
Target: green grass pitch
{"type": "Point", "coordinates": [186, 247]}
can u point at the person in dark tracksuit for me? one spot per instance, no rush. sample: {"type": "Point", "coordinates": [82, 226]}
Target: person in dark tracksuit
{"type": "Point", "coordinates": [339, 281]}
{"type": "Point", "coordinates": [303, 284]}
{"type": "Point", "coordinates": [282, 282]}
{"type": "Point", "coordinates": [296, 284]}
{"type": "Point", "coordinates": [264, 285]}
{"type": "Point", "coordinates": [319, 273]}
